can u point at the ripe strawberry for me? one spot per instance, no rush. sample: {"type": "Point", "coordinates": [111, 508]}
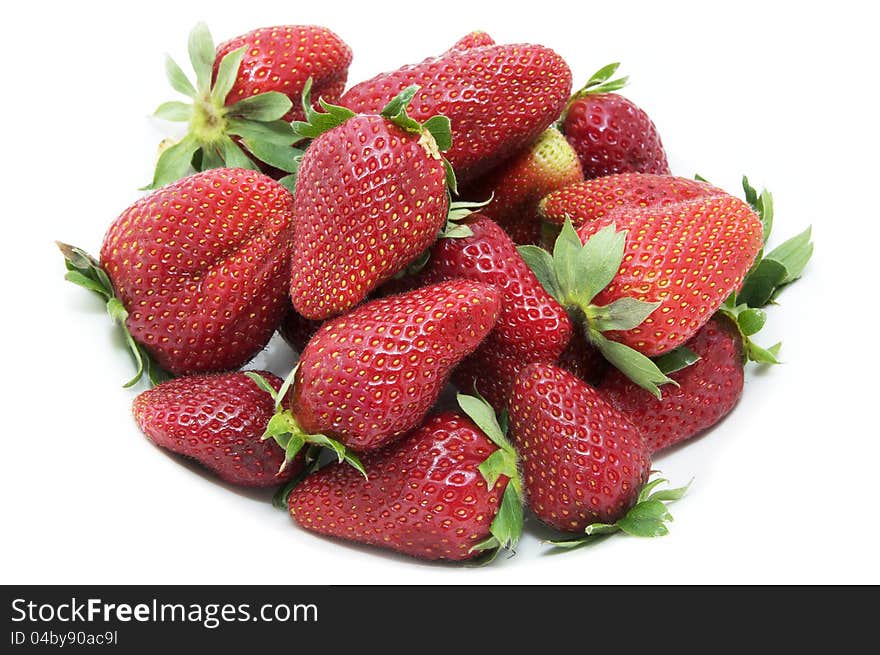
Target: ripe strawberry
{"type": "Point", "coordinates": [583, 462]}
{"type": "Point", "coordinates": [647, 289]}
{"type": "Point", "coordinates": [219, 421]}
{"type": "Point", "coordinates": [708, 370]}
{"type": "Point", "coordinates": [196, 271]}
{"type": "Point", "coordinates": [498, 97]}
{"type": "Point", "coordinates": [532, 326]}
{"type": "Point", "coordinates": [243, 97]}
{"type": "Point", "coordinates": [517, 185]}
{"type": "Point", "coordinates": [370, 376]}
{"type": "Point", "coordinates": [707, 390]}
{"type": "Point", "coordinates": [585, 361]}
{"type": "Point", "coordinates": [605, 197]}
{"type": "Point", "coordinates": [448, 490]}
{"type": "Point", "coordinates": [610, 133]}
{"type": "Point", "coordinates": [296, 330]}
{"type": "Point", "coordinates": [370, 197]}
{"type": "Point", "coordinates": [475, 39]}
{"type": "Point", "coordinates": [282, 58]}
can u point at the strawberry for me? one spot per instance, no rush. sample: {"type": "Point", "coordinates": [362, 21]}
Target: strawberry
{"type": "Point", "coordinates": [499, 98]}
{"type": "Point", "coordinates": [517, 185]}
{"type": "Point", "coordinates": [532, 326]}
{"type": "Point", "coordinates": [196, 271]}
{"type": "Point", "coordinates": [218, 420]}
{"type": "Point", "coordinates": [282, 58]}
{"type": "Point", "coordinates": [296, 330]}
{"type": "Point", "coordinates": [370, 197]}
{"type": "Point", "coordinates": [584, 360]}
{"type": "Point", "coordinates": [370, 376]}
{"type": "Point", "coordinates": [447, 490]}
{"type": "Point", "coordinates": [584, 465]}
{"type": "Point", "coordinates": [610, 133]}
{"type": "Point", "coordinates": [475, 39]}
{"type": "Point", "coordinates": [646, 289]}
{"type": "Point", "coordinates": [241, 97]}
{"type": "Point", "coordinates": [608, 196]}
{"type": "Point", "coordinates": [708, 370]}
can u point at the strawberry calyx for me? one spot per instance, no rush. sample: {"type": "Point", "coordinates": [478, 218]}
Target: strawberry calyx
{"type": "Point", "coordinates": [575, 274]}
{"type": "Point", "coordinates": [85, 271]}
{"type": "Point", "coordinates": [647, 518]}
{"type": "Point", "coordinates": [599, 82]}
{"type": "Point", "coordinates": [255, 122]}
{"type": "Point", "coordinates": [506, 527]}
{"type": "Point", "coordinates": [287, 433]}
{"type": "Point", "coordinates": [769, 275]}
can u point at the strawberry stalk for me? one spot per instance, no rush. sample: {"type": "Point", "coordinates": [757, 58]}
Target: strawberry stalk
{"type": "Point", "coordinates": [287, 433]}
{"type": "Point", "coordinates": [647, 518]}
{"type": "Point", "coordinates": [254, 122]}
{"type": "Point", "coordinates": [506, 527]}
{"type": "Point", "coordinates": [574, 274]}
{"type": "Point", "coordinates": [85, 271]}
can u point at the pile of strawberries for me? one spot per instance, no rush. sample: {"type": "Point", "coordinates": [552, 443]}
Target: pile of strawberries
{"type": "Point", "coordinates": [462, 221]}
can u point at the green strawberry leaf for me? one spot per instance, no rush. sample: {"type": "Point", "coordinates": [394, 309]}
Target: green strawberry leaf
{"type": "Point", "coordinates": [174, 111]}
{"type": "Point", "coordinates": [793, 255]}
{"type": "Point", "coordinates": [174, 162]}
{"type": "Point", "coordinates": [201, 55]}
{"type": "Point", "coordinates": [494, 466]}
{"type": "Point", "coordinates": [761, 282]}
{"type": "Point", "coordinates": [279, 499]}
{"type": "Point", "coordinates": [285, 386]}
{"type": "Point", "coordinates": [395, 110]}
{"type": "Point", "coordinates": [647, 518]}
{"type": "Point", "coordinates": [631, 363]}
{"type": "Point", "coordinates": [316, 122]}
{"type": "Point", "coordinates": [750, 321]}
{"type": "Point", "coordinates": [676, 360]}
{"type": "Point", "coordinates": [481, 412]}
{"type": "Point", "coordinates": [569, 265]}
{"type": "Point", "coordinates": [226, 74]}
{"type": "Point", "coordinates": [178, 79]}
{"type": "Point", "coordinates": [264, 107]}
{"type": "Point", "coordinates": [285, 158]}
{"type": "Point", "coordinates": [440, 128]}
{"type": "Point", "coordinates": [234, 156]}
{"type": "Point", "coordinates": [263, 383]}
{"type": "Point", "coordinates": [86, 271]}
{"type": "Point", "coordinates": [289, 182]}
{"type": "Point", "coordinates": [756, 353]}
{"type": "Point", "coordinates": [451, 181]}
{"type": "Point", "coordinates": [274, 132]}
{"type": "Point", "coordinates": [541, 263]}
{"type": "Point", "coordinates": [622, 314]}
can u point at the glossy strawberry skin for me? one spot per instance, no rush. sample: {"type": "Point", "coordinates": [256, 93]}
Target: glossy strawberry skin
{"type": "Point", "coordinates": [369, 199]}
{"type": "Point", "coordinates": [612, 135]}
{"type": "Point", "coordinates": [582, 460]}
{"type": "Point", "coordinates": [368, 377]}
{"type": "Point", "coordinates": [424, 495]}
{"type": "Point", "coordinates": [532, 326]}
{"type": "Point", "coordinates": [708, 389]}
{"type": "Point", "coordinates": [498, 97]}
{"type": "Point", "coordinates": [519, 184]}
{"type": "Point", "coordinates": [201, 265]}
{"type": "Point", "coordinates": [689, 256]}
{"type": "Point", "coordinates": [613, 194]}
{"type": "Point", "coordinates": [282, 58]}
{"type": "Point", "coordinates": [218, 420]}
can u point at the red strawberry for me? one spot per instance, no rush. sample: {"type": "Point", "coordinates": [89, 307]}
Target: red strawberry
{"type": "Point", "coordinates": [644, 290]}
{"type": "Point", "coordinates": [584, 360]}
{"type": "Point", "coordinates": [370, 376]}
{"type": "Point", "coordinates": [532, 326]}
{"type": "Point", "coordinates": [707, 389]}
{"type": "Point", "coordinates": [197, 270]}
{"type": "Point", "coordinates": [474, 39]}
{"type": "Point", "coordinates": [608, 196]}
{"type": "Point", "coordinates": [517, 185]}
{"type": "Point", "coordinates": [498, 97]}
{"type": "Point", "coordinates": [610, 133]}
{"type": "Point", "coordinates": [243, 96]}
{"type": "Point", "coordinates": [370, 197]}
{"type": "Point", "coordinates": [296, 330]}
{"type": "Point", "coordinates": [448, 490]}
{"type": "Point", "coordinates": [282, 58]}
{"type": "Point", "coordinates": [217, 420]}
{"type": "Point", "coordinates": [583, 462]}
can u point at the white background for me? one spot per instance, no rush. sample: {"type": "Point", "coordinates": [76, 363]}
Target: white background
{"type": "Point", "coordinates": [784, 489]}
